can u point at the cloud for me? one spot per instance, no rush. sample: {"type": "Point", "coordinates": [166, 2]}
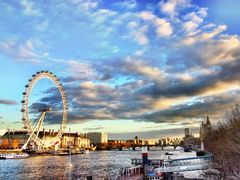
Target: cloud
{"type": "Point", "coordinates": [85, 5]}
{"type": "Point", "coordinates": [138, 32]}
{"type": "Point", "coordinates": [149, 94]}
{"type": "Point", "coordinates": [22, 52]}
{"type": "Point", "coordinates": [126, 5]}
{"type": "Point", "coordinates": [195, 109]}
{"type": "Point", "coordinates": [79, 71]}
{"type": "Point", "coordinates": [172, 7]}
{"type": "Point", "coordinates": [29, 8]}
{"type": "Point", "coordinates": [162, 27]}
{"type": "Point", "coordinates": [43, 25]}
{"type": "Point", "coordinates": [7, 102]}
{"type": "Point", "coordinates": [153, 134]}
{"type": "Point", "coordinates": [177, 66]}
{"type": "Point", "coordinates": [94, 128]}
{"type": "Point", "coordinates": [194, 20]}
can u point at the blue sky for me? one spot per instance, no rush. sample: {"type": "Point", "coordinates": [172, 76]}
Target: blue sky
{"type": "Point", "coordinates": [148, 68]}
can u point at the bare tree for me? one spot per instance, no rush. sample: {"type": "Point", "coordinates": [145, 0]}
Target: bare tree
{"type": "Point", "coordinates": [224, 143]}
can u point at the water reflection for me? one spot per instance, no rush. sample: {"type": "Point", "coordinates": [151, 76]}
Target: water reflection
{"type": "Point", "coordinates": [99, 164]}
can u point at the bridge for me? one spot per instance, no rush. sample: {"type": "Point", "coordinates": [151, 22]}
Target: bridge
{"type": "Point", "coordinates": [178, 165]}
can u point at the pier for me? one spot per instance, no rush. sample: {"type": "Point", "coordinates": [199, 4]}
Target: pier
{"type": "Point", "coordinates": [177, 165]}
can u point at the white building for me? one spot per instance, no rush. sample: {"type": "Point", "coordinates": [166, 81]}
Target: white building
{"type": "Point", "coordinates": [97, 137]}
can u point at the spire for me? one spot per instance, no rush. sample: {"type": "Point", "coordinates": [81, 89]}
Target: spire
{"type": "Point", "coordinates": [208, 121]}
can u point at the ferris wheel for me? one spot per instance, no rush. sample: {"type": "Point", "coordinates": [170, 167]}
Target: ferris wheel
{"type": "Point", "coordinates": [34, 126]}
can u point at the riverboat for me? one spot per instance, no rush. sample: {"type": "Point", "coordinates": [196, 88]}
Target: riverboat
{"type": "Point", "coordinates": [14, 156]}
{"type": "Point", "coordinates": [169, 153]}
{"type": "Point", "coordinates": [84, 151]}
{"type": "Point", "coordinates": [127, 148]}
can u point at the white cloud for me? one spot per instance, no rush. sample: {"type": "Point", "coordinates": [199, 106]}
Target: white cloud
{"type": "Point", "coordinates": [204, 36]}
{"type": "Point", "coordinates": [172, 7]}
{"type": "Point", "coordinates": [129, 4]}
{"type": "Point", "coordinates": [139, 53]}
{"type": "Point", "coordinates": [162, 27]}
{"type": "Point", "coordinates": [42, 26]}
{"type": "Point", "coordinates": [194, 19]}
{"type": "Point", "coordinates": [79, 71]}
{"type": "Point", "coordinates": [22, 52]}
{"type": "Point", "coordinates": [142, 68]}
{"type": "Point", "coordinates": [138, 32]}
{"type": "Point", "coordinates": [85, 5]}
{"type": "Point", "coordinates": [102, 15]}
{"type": "Point", "coordinates": [29, 9]}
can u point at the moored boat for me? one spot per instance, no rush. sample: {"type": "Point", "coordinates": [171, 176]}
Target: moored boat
{"type": "Point", "coordinates": [169, 153]}
{"type": "Point", "coordinates": [84, 151]}
{"type": "Point", "coordinates": [91, 148]}
{"type": "Point", "coordinates": [14, 156]}
{"type": "Point", "coordinates": [127, 148]}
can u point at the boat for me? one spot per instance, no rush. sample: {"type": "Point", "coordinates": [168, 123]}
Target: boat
{"type": "Point", "coordinates": [127, 148]}
{"type": "Point", "coordinates": [61, 153]}
{"type": "Point", "coordinates": [178, 148]}
{"type": "Point", "coordinates": [14, 156]}
{"type": "Point", "coordinates": [187, 148]}
{"type": "Point", "coordinates": [138, 148]}
{"type": "Point", "coordinates": [169, 153]}
{"type": "Point", "coordinates": [84, 151]}
{"type": "Point", "coordinates": [154, 148]}
{"type": "Point", "coordinates": [91, 148]}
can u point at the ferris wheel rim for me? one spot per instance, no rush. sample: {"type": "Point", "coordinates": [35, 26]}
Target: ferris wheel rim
{"type": "Point", "coordinates": [25, 102]}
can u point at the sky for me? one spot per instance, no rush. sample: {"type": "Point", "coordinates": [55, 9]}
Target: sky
{"type": "Point", "coordinates": [134, 67]}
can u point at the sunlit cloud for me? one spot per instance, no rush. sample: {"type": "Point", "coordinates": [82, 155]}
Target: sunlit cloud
{"type": "Point", "coordinates": [163, 63]}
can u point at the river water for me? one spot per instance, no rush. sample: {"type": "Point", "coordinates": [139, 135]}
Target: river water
{"type": "Point", "coordinates": [99, 164]}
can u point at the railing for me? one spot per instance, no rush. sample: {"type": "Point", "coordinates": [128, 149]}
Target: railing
{"type": "Point", "coordinates": [178, 165]}
{"type": "Point", "coordinates": [152, 162]}
{"type": "Point", "coordinates": [185, 164]}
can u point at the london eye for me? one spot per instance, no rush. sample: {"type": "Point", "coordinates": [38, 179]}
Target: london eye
{"type": "Point", "coordinates": [34, 124]}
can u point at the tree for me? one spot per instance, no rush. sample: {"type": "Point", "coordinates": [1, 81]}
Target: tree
{"type": "Point", "coordinates": [224, 143]}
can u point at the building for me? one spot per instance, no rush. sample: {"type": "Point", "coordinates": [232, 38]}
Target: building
{"type": "Point", "coordinates": [12, 139]}
{"type": "Point", "coordinates": [97, 138]}
{"type": "Point", "coordinates": [205, 128]}
{"type": "Point", "coordinates": [150, 142]}
{"type": "Point", "coordinates": [15, 139]}
{"type": "Point", "coordinates": [189, 137]}
{"type": "Point", "coordinates": [169, 141]}
{"type": "Point", "coordinates": [75, 140]}
{"type": "Point", "coordinates": [187, 132]}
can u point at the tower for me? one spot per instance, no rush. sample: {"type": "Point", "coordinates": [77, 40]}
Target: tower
{"type": "Point", "coordinates": [205, 128]}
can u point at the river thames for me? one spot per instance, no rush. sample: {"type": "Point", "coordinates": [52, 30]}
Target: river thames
{"type": "Point", "coordinates": [99, 164]}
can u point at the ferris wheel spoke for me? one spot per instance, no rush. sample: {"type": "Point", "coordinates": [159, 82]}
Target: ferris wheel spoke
{"type": "Point", "coordinates": [34, 124]}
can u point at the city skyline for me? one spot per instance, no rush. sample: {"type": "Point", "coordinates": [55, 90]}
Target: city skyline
{"type": "Point", "coordinates": [128, 67]}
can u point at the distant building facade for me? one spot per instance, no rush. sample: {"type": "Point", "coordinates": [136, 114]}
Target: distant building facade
{"type": "Point", "coordinates": [12, 139]}
{"type": "Point", "coordinates": [205, 128]}
{"type": "Point", "coordinates": [189, 138]}
{"type": "Point", "coordinates": [169, 141]}
{"type": "Point", "coordinates": [187, 132]}
{"type": "Point", "coordinates": [16, 139]}
{"type": "Point", "coordinates": [97, 137]}
{"type": "Point", "coordinates": [75, 140]}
